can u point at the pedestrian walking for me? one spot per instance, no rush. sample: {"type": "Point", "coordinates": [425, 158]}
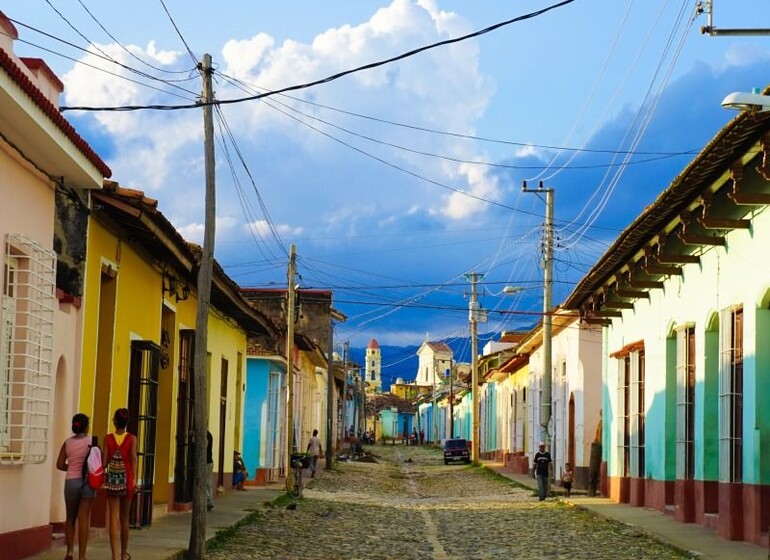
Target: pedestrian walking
{"type": "Point", "coordinates": [120, 465]}
{"type": "Point", "coordinates": [315, 450]}
{"type": "Point", "coordinates": [566, 478]}
{"type": "Point", "coordinates": [209, 470]}
{"type": "Point", "coordinates": [78, 495]}
{"type": "Point", "coordinates": [542, 470]}
{"type": "Point", "coordinates": [422, 437]}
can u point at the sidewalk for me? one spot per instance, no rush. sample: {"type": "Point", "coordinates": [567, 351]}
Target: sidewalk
{"type": "Point", "coordinates": [697, 540]}
{"type": "Point", "coordinates": [169, 535]}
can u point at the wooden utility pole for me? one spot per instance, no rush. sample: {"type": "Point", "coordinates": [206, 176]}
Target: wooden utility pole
{"type": "Point", "coordinates": [345, 348]}
{"type": "Point", "coordinates": [451, 402]}
{"type": "Point", "coordinates": [289, 356]}
{"type": "Point", "coordinates": [197, 545]}
{"type": "Point", "coordinates": [330, 393]}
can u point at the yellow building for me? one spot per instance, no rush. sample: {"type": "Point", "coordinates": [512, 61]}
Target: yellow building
{"type": "Point", "coordinates": [139, 340]}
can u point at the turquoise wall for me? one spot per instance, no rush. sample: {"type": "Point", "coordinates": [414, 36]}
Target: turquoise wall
{"type": "Point", "coordinates": [255, 436]}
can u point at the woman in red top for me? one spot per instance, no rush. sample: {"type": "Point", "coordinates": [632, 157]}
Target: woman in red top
{"type": "Point", "coordinates": [77, 493]}
{"type": "Point", "coordinates": [119, 503]}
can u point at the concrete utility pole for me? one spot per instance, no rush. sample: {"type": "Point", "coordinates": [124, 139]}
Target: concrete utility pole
{"type": "Point", "coordinates": [545, 399]}
{"type": "Point", "coordinates": [197, 545]}
{"type": "Point", "coordinates": [473, 318]}
{"type": "Point", "coordinates": [290, 443]}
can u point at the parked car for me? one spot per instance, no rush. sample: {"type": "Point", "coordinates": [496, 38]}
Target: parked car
{"type": "Point", "coordinates": [456, 450]}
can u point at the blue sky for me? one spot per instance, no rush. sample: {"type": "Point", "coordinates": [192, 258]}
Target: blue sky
{"type": "Point", "coordinates": [363, 173]}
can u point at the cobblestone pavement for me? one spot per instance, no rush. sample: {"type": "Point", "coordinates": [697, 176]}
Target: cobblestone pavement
{"type": "Point", "coordinates": [410, 506]}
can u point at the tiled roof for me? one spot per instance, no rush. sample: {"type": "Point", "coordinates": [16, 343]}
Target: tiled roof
{"type": "Point", "coordinates": [717, 156]}
{"type": "Point", "coordinates": [439, 347]}
{"type": "Point", "coordinates": [27, 86]}
{"type": "Point", "coordinates": [131, 195]}
{"type": "Point", "coordinates": [373, 344]}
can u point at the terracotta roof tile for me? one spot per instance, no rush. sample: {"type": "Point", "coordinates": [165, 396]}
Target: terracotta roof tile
{"type": "Point", "coordinates": [131, 194]}
{"type": "Point", "coordinates": [22, 80]}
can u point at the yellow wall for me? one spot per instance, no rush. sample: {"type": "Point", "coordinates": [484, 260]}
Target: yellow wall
{"type": "Point", "coordinates": [137, 310]}
{"type": "Point", "coordinates": [519, 381]}
{"type": "Point", "coordinates": [225, 341]}
{"type": "Point", "coordinates": [133, 307]}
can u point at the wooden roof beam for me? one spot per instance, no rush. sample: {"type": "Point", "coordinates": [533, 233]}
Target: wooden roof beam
{"type": "Point", "coordinates": [607, 313]}
{"type": "Point", "coordinates": [711, 222]}
{"type": "Point", "coordinates": [695, 239]}
{"type": "Point", "coordinates": [597, 321]}
{"type": "Point", "coordinates": [665, 257]}
{"type": "Point", "coordinates": [750, 199]}
{"type": "Point", "coordinates": [634, 294]}
{"type": "Point", "coordinates": [652, 267]}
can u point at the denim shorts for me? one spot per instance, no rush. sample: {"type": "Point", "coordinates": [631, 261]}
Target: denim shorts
{"type": "Point", "coordinates": [75, 488]}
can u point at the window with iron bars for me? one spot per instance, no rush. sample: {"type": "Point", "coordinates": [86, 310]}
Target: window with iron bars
{"type": "Point", "coordinates": [731, 395]}
{"type": "Point", "coordinates": [26, 350]}
{"type": "Point", "coordinates": [685, 402]}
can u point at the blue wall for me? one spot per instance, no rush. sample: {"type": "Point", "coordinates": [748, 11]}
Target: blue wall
{"type": "Point", "coordinates": [255, 421]}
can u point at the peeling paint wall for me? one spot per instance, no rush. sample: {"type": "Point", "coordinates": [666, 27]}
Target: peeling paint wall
{"type": "Point", "coordinates": [70, 239]}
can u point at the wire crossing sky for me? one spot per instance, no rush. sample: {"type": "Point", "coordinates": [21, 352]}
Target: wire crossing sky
{"type": "Point", "coordinates": [389, 140]}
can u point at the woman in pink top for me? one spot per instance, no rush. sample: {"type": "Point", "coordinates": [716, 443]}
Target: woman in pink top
{"type": "Point", "coordinates": [77, 493]}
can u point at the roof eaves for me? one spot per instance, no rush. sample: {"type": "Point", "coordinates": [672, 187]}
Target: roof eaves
{"type": "Point", "coordinates": [719, 154]}
{"type": "Point", "coordinates": [30, 89]}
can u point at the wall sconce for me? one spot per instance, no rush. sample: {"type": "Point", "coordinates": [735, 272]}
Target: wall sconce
{"type": "Point", "coordinates": [172, 285]}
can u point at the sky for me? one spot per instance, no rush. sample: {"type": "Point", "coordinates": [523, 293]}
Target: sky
{"type": "Point", "coordinates": [396, 182]}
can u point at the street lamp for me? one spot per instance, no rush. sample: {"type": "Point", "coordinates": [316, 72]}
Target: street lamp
{"type": "Point", "coordinates": [753, 102]}
{"type": "Point", "coordinates": [512, 289]}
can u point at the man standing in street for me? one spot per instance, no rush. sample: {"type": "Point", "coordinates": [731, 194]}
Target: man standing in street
{"type": "Point", "coordinates": [315, 451]}
{"type": "Point", "coordinates": [542, 470]}
{"type": "Point", "coordinates": [209, 470]}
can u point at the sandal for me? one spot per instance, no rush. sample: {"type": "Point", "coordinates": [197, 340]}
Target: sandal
{"type": "Point", "coordinates": [68, 557]}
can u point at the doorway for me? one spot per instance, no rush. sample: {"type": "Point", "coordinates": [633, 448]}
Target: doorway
{"type": "Point", "coordinates": [222, 423]}
{"type": "Point", "coordinates": [143, 419]}
{"type": "Point", "coordinates": [184, 464]}
{"type": "Point", "coordinates": [571, 430]}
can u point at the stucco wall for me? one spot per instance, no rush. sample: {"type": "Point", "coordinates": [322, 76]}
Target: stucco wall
{"type": "Point", "coordinates": [726, 276]}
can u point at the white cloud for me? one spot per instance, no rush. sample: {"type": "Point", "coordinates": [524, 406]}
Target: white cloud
{"type": "Point", "coordinates": [745, 54]}
{"type": "Point", "coordinates": [312, 178]}
{"type": "Point", "coordinates": [192, 232]}
{"type": "Point", "coordinates": [262, 229]}
{"type": "Point", "coordinates": [480, 184]}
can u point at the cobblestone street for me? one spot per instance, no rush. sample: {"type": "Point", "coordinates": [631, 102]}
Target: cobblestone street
{"type": "Point", "coordinates": [410, 505]}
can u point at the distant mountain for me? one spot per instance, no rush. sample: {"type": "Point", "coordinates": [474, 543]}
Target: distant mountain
{"type": "Point", "coordinates": [402, 361]}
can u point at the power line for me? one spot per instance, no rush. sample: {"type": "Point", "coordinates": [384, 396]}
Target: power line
{"type": "Point", "coordinates": [99, 55]}
{"type": "Point", "coordinates": [458, 134]}
{"type": "Point", "coordinates": [460, 160]}
{"type": "Point", "coordinates": [328, 79]}
{"type": "Point", "coordinates": [126, 78]}
{"type": "Point", "coordinates": [117, 42]}
{"type": "Point", "coordinates": [178, 32]}
{"type": "Point", "coordinates": [268, 219]}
